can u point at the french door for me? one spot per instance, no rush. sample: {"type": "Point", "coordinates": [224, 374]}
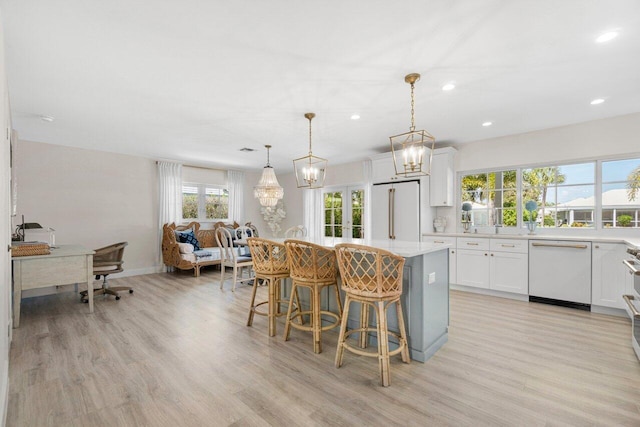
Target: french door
{"type": "Point", "coordinates": [344, 212]}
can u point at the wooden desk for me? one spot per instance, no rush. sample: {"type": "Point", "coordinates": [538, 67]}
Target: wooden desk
{"type": "Point", "coordinates": [67, 264]}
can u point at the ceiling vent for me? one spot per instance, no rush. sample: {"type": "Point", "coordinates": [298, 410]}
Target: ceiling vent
{"type": "Point", "coordinates": [247, 150]}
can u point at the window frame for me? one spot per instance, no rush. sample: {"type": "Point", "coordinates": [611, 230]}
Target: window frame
{"type": "Point", "coordinates": [598, 223]}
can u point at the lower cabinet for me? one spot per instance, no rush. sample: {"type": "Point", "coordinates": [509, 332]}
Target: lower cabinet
{"type": "Point", "coordinates": [609, 276]}
{"type": "Point", "coordinates": [497, 264]}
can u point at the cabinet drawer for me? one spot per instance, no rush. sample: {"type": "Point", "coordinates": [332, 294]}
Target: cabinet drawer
{"type": "Point", "coordinates": [437, 240]}
{"type": "Point", "coordinates": [478, 243]}
{"type": "Point", "coordinates": [510, 245]}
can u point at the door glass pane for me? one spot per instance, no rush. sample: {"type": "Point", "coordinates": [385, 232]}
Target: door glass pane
{"type": "Point", "coordinates": [357, 207]}
{"type": "Point", "coordinates": [333, 214]}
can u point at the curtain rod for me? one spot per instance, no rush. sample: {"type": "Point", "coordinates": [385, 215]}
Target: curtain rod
{"type": "Point", "coordinates": [197, 167]}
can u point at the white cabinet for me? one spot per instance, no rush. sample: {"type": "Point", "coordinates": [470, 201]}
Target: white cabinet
{"type": "Point", "coordinates": [472, 268]}
{"type": "Point", "coordinates": [609, 275]}
{"type": "Point", "coordinates": [497, 264]}
{"type": "Point", "coordinates": [441, 184]}
{"type": "Point", "coordinates": [382, 168]}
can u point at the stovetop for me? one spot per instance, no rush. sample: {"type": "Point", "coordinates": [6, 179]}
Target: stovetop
{"type": "Point", "coordinates": [634, 252]}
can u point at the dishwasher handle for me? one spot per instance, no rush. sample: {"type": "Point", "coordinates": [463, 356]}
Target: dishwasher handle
{"type": "Point", "coordinates": [555, 245]}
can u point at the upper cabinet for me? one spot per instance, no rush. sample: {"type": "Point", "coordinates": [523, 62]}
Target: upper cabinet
{"type": "Point", "coordinates": [383, 169]}
{"type": "Point", "coordinates": [441, 184]}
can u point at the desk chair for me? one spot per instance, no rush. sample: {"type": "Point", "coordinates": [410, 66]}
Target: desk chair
{"type": "Point", "coordinates": [230, 258]}
{"type": "Point", "coordinates": [372, 277]}
{"type": "Point", "coordinates": [106, 261]}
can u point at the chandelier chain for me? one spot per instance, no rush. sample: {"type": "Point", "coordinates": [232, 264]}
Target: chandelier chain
{"type": "Point", "coordinates": [310, 137]}
{"type": "Point", "coordinates": [413, 125]}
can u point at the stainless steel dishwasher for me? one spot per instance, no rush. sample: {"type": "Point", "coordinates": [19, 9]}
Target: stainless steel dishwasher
{"type": "Point", "coordinates": [560, 272]}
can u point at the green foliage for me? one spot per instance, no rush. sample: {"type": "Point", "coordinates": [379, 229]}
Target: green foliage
{"type": "Point", "coordinates": [549, 221]}
{"type": "Point", "coordinates": [509, 218]}
{"type": "Point", "coordinates": [578, 224]}
{"type": "Point", "coordinates": [190, 206]}
{"type": "Point", "coordinates": [624, 220]}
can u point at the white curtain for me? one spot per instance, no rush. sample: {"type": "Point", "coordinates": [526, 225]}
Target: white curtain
{"type": "Point", "coordinates": [235, 184]}
{"type": "Point", "coordinates": [312, 211]}
{"type": "Point", "coordinates": [367, 169]}
{"type": "Point", "coordinates": [170, 178]}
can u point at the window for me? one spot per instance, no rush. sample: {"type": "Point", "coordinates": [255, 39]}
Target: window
{"type": "Point", "coordinates": [493, 198]}
{"type": "Point", "coordinates": [621, 193]}
{"type": "Point", "coordinates": [205, 202]}
{"type": "Point", "coordinates": [565, 194]}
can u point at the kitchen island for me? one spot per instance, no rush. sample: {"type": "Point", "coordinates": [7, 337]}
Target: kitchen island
{"type": "Point", "coordinates": [425, 293]}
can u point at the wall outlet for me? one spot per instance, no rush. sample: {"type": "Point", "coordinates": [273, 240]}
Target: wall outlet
{"type": "Point", "coordinates": [432, 277]}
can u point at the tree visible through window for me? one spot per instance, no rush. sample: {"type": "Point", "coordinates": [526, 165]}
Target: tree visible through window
{"type": "Point", "coordinates": [205, 202]}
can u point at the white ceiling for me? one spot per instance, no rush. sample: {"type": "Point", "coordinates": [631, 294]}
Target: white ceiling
{"type": "Point", "coordinates": [196, 80]}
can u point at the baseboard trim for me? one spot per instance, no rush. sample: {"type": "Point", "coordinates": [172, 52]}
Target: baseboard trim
{"type": "Point", "coordinates": [490, 292]}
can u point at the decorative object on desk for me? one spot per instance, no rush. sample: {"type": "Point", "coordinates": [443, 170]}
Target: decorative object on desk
{"type": "Point", "coordinates": [29, 249]}
{"type": "Point", "coordinates": [413, 143]}
{"type": "Point", "coordinates": [268, 190]}
{"type": "Point", "coordinates": [310, 170]}
{"type": "Point", "coordinates": [439, 224]}
{"type": "Point", "coordinates": [532, 207]}
{"type": "Point", "coordinates": [466, 216]}
{"type": "Point", "coordinates": [273, 216]}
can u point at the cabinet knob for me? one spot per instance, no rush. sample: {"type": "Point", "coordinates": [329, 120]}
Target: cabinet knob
{"type": "Point", "coordinates": [453, 252]}
{"type": "Point", "coordinates": [491, 254]}
{"type": "Point", "coordinates": [597, 246]}
{"type": "Point", "coordinates": [485, 254]}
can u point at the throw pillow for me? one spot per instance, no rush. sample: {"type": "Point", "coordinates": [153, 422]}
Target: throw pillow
{"type": "Point", "coordinates": [189, 237]}
{"type": "Point", "coordinates": [185, 248]}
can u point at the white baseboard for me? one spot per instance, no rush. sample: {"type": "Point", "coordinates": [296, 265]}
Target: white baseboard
{"type": "Point", "coordinates": [490, 292]}
{"type": "Point", "coordinates": [68, 288]}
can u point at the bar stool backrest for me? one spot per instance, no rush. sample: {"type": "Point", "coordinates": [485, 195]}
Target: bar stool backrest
{"type": "Point", "coordinates": [369, 272]}
{"type": "Point", "coordinates": [311, 262]}
{"type": "Point", "coordinates": [268, 257]}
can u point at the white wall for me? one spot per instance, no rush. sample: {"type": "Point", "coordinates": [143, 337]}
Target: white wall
{"type": "Point", "coordinates": [91, 198]}
{"type": "Point", "coordinates": [607, 138]}
{"type": "Point", "coordinates": [5, 235]}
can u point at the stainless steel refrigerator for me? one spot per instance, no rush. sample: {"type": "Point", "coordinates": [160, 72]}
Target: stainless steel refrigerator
{"type": "Point", "coordinates": [396, 211]}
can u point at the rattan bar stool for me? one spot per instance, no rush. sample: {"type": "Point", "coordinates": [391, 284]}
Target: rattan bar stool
{"type": "Point", "coordinates": [372, 277]}
{"type": "Point", "coordinates": [313, 267]}
{"type": "Point", "coordinates": [270, 265]}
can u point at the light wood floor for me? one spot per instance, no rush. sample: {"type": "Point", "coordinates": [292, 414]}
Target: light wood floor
{"type": "Point", "coordinates": [178, 353]}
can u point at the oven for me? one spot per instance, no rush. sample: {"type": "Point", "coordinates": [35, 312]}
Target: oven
{"type": "Point", "coordinates": [633, 300]}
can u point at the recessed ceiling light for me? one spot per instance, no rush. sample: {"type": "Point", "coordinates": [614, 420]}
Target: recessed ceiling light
{"type": "Point", "coordinates": [597, 101]}
{"type": "Point", "coordinates": [449, 86]}
{"type": "Point", "coordinates": [485, 124]}
{"type": "Point", "coordinates": [247, 150]}
{"type": "Point", "coordinates": [46, 118]}
{"type": "Point", "coordinates": [355, 116]}
{"type": "Point", "coordinates": [605, 37]}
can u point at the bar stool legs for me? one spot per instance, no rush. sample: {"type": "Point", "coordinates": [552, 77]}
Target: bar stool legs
{"type": "Point", "coordinates": [315, 312]}
{"type": "Point", "coordinates": [383, 353]}
{"type": "Point", "coordinates": [273, 302]}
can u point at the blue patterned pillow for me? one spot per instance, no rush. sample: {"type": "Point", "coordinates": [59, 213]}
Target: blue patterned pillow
{"type": "Point", "coordinates": [189, 237]}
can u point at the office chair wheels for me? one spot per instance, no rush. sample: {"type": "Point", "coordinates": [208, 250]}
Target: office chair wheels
{"type": "Point", "coordinates": [130, 291]}
{"type": "Point", "coordinates": [117, 297]}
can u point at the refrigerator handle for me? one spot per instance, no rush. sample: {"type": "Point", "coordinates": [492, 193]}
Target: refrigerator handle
{"type": "Point", "coordinates": [392, 202]}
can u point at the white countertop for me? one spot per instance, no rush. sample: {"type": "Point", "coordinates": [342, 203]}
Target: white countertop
{"type": "Point", "coordinates": [631, 241]}
{"type": "Point", "coordinates": [403, 248]}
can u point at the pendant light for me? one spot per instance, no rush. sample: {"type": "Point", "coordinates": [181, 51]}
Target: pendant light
{"type": "Point", "coordinates": [310, 169]}
{"type": "Point", "coordinates": [268, 190]}
{"type": "Point", "coordinates": [410, 149]}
